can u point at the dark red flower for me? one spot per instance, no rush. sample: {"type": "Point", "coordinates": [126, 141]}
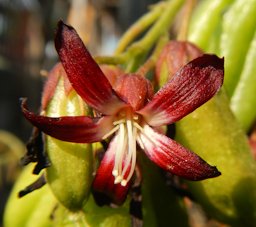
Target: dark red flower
{"type": "Point", "coordinates": [130, 114]}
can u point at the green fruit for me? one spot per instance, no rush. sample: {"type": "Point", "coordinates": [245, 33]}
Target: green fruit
{"type": "Point", "coordinates": [206, 20]}
{"type": "Point", "coordinates": [70, 173]}
{"type": "Point", "coordinates": [93, 216]}
{"type": "Point", "coordinates": [31, 210]}
{"type": "Point", "coordinates": [160, 203]}
{"type": "Point", "coordinates": [213, 133]}
{"type": "Point", "coordinates": [106, 216]}
{"type": "Point", "coordinates": [243, 101]}
{"type": "Point", "coordinates": [239, 25]}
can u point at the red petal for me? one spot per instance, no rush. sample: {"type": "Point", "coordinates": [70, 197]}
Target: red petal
{"type": "Point", "coordinates": [112, 73]}
{"type": "Point", "coordinates": [83, 72]}
{"type": "Point", "coordinates": [193, 85]}
{"type": "Point", "coordinates": [79, 129]}
{"type": "Point", "coordinates": [133, 89]}
{"type": "Point", "coordinates": [104, 180]}
{"type": "Point", "coordinates": [174, 158]}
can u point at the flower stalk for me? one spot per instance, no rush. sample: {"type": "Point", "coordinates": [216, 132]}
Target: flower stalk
{"type": "Point", "coordinates": [139, 49]}
{"type": "Point", "coordinates": [131, 56]}
{"type": "Point", "coordinates": [140, 26]}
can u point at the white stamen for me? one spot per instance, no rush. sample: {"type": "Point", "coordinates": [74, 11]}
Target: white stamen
{"type": "Point", "coordinates": [124, 183]}
{"type": "Point", "coordinates": [129, 132]}
{"type": "Point", "coordinates": [119, 122]}
{"type": "Point", "coordinates": [124, 151]}
{"type": "Point", "coordinates": [118, 179]}
{"type": "Point", "coordinates": [113, 130]}
{"type": "Point", "coordinates": [130, 146]}
{"type": "Point", "coordinates": [138, 126]}
{"type": "Point", "coordinates": [133, 152]}
{"type": "Point", "coordinates": [121, 144]}
{"type": "Point", "coordinates": [115, 173]}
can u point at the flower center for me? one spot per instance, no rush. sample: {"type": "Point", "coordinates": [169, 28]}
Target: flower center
{"type": "Point", "coordinates": [125, 157]}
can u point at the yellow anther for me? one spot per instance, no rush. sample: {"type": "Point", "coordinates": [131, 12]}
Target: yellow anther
{"type": "Point", "coordinates": [118, 179]}
{"type": "Point", "coordinates": [124, 183]}
{"type": "Point", "coordinates": [115, 173]}
{"type": "Point", "coordinates": [135, 117]}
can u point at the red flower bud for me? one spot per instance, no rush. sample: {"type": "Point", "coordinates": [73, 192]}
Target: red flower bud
{"type": "Point", "coordinates": [175, 54]}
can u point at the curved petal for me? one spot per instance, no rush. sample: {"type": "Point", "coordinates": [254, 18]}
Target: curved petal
{"type": "Point", "coordinates": [83, 72]}
{"type": "Point", "coordinates": [133, 89]}
{"type": "Point", "coordinates": [193, 85]}
{"type": "Point", "coordinates": [104, 179]}
{"type": "Point", "coordinates": [78, 129]}
{"type": "Point", "coordinates": [174, 158]}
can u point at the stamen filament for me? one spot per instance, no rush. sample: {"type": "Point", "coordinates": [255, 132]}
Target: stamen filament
{"type": "Point", "coordinates": [119, 152]}
{"type": "Point", "coordinates": [130, 146]}
{"type": "Point", "coordinates": [118, 122]}
{"type": "Point", "coordinates": [112, 131]}
{"type": "Point", "coordinates": [129, 132]}
{"type": "Point", "coordinates": [118, 179]}
{"type": "Point", "coordinates": [120, 165]}
{"type": "Point", "coordinates": [138, 126]}
{"type": "Point", "coordinates": [133, 159]}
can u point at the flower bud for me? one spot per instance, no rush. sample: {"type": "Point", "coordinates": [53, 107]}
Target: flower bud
{"type": "Point", "coordinates": [112, 73]}
{"type": "Point", "coordinates": [70, 173]}
{"type": "Point", "coordinates": [174, 55]}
